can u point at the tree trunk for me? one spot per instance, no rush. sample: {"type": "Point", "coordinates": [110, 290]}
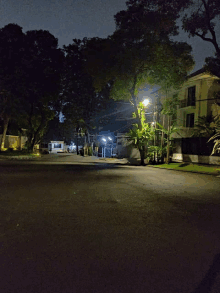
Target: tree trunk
{"type": "Point", "coordinates": [168, 150]}
{"type": "Point", "coordinates": [142, 154]}
{"type": "Point", "coordinates": [168, 142]}
{"type": "Point", "coordinates": [77, 141]}
{"type": "Point", "coordinates": [5, 128]}
{"type": "Point", "coordinates": [162, 143]}
{"type": "Point", "coordinates": [32, 146]}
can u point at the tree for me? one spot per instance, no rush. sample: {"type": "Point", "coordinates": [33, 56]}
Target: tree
{"type": "Point", "coordinates": [11, 74]}
{"type": "Point", "coordinates": [201, 19]}
{"type": "Point", "coordinates": [80, 100]}
{"type": "Point", "coordinates": [140, 52]}
{"type": "Point", "coordinates": [140, 137]}
{"type": "Point", "coordinates": [42, 65]}
{"type": "Point", "coordinates": [169, 109]}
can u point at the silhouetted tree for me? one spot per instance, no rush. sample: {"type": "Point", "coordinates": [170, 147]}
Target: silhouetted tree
{"type": "Point", "coordinates": [11, 74]}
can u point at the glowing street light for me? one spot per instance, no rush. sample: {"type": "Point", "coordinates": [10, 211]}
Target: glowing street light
{"type": "Point", "coordinates": [104, 139]}
{"type": "Point", "coordinates": [146, 102]}
{"type": "Point", "coordinates": [109, 138]}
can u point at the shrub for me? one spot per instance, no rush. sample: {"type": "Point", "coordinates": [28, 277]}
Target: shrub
{"type": "Point", "coordinates": [45, 152]}
{"type": "Point", "coordinates": [90, 151]}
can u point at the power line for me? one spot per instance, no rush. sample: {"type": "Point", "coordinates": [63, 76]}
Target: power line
{"type": "Point", "coordinates": [111, 114]}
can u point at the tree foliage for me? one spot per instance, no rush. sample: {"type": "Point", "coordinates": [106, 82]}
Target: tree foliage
{"type": "Point", "coordinates": [30, 70]}
{"type": "Point", "coordinates": [80, 100]}
{"type": "Point", "coordinates": [43, 67]}
{"type": "Point", "coordinates": [201, 20]}
{"type": "Point", "coordinates": [11, 74]}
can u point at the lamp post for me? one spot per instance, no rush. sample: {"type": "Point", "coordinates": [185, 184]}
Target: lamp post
{"type": "Point", "coordinates": [105, 140]}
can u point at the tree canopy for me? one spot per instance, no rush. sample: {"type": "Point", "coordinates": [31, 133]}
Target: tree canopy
{"type": "Point", "coordinates": [30, 74]}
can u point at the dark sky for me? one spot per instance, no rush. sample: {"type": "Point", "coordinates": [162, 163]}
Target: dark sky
{"type": "Point", "coordinates": [69, 19]}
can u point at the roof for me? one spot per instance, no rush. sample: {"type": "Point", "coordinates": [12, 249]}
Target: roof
{"type": "Point", "coordinates": [202, 70]}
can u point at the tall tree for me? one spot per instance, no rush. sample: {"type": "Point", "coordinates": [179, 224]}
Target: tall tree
{"type": "Point", "coordinates": [140, 52]}
{"type": "Point", "coordinates": [80, 100]}
{"type": "Point", "coordinates": [11, 74]}
{"type": "Point", "coordinates": [42, 65]}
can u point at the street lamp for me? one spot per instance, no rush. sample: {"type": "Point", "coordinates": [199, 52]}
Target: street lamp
{"type": "Point", "coordinates": [105, 140]}
{"type": "Point", "coordinates": [146, 102]}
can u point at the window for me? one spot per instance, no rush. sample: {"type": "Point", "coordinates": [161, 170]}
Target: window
{"type": "Point", "coordinates": [191, 96]}
{"type": "Point", "coordinates": [57, 145]}
{"type": "Point", "coordinates": [190, 120]}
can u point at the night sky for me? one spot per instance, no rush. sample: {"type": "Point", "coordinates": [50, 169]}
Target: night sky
{"type": "Point", "coordinates": [69, 19]}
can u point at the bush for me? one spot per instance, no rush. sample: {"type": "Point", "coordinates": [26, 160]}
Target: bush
{"type": "Point", "coordinates": [90, 151]}
{"type": "Point", "coordinates": [45, 152]}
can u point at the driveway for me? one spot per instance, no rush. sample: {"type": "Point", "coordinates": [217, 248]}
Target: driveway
{"type": "Point", "coordinates": [105, 228]}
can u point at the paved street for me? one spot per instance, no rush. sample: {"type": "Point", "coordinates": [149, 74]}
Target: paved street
{"type": "Point", "coordinates": [107, 228]}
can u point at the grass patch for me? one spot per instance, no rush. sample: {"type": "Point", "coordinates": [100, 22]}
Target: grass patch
{"type": "Point", "coordinates": [18, 155]}
{"type": "Point", "coordinates": [191, 167]}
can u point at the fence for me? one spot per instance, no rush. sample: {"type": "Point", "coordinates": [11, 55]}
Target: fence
{"type": "Point", "coordinates": [193, 146]}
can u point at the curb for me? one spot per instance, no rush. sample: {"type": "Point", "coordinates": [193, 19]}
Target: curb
{"type": "Point", "coordinates": [204, 173]}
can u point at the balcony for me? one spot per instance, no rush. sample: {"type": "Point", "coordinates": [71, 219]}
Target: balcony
{"type": "Point", "coordinates": [184, 103]}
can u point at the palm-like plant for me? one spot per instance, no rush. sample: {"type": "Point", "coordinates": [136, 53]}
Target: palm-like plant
{"type": "Point", "coordinates": [206, 126]}
{"type": "Point", "coordinates": [141, 133]}
{"type": "Point", "coordinates": [172, 129]}
{"type": "Point", "coordinates": [216, 147]}
{"type": "Point", "coordinates": [209, 126]}
{"type": "Point", "coordinates": [140, 138]}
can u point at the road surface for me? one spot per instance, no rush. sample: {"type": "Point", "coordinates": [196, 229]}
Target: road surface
{"type": "Point", "coordinates": [105, 228]}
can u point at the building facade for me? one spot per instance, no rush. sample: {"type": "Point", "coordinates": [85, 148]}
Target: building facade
{"type": "Point", "coordinates": [197, 99]}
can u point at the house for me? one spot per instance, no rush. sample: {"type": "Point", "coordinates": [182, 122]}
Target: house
{"type": "Point", "coordinates": [53, 147]}
{"type": "Point", "coordinates": [15, 142]}
{"type": "Point", "coordinates": [197, 99]}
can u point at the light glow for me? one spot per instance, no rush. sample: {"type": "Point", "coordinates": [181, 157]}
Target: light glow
{"type": "Point", "coordinates": [146, 102]}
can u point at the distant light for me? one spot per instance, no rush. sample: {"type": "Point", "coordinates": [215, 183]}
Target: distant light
{"type": "Point", "coordinates": [146, 102]}
{"type": "Point", "coordinates": [153, 123]}
{"type": "Point", "coordinates": [109, 138]}
{"type": "Point", "coordinates": [103, 139]}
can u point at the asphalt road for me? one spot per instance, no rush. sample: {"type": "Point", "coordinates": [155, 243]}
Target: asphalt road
{"type": "Point", "coordinates": [105, 228]}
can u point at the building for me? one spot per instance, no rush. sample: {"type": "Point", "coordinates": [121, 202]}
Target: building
{"type": "Point", "coordinates": [16, 142]}
{"type": "Point", "coordinates": [197, 99]}
{"type": "Point", "coordinates": [124, 148]}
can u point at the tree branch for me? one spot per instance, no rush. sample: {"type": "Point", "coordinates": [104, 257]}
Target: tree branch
{"type": "Point", "coordinates": [204, 38]}
{"type": "Point", "coordinates": [213, 40]}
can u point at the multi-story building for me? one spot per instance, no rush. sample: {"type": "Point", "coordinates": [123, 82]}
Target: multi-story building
{"type": "Point", "coordinates": [197, 99]}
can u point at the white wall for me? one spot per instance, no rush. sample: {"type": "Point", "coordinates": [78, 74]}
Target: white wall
{"type": "Point", "coordinates": [211, 160]}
